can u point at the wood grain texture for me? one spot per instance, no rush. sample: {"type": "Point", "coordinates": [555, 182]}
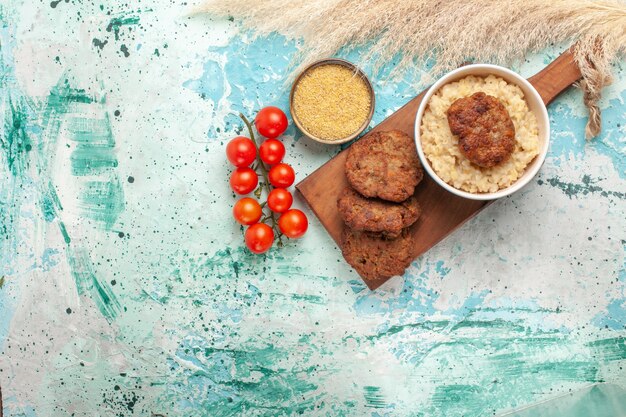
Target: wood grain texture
{"type": "Point", "coordinates": [442, 212]}
{"type": "Point", "coordinates": [556, 77]}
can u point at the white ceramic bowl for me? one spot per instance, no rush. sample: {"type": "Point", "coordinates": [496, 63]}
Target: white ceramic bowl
{"type": "Point", "coordinates": [535, 104]}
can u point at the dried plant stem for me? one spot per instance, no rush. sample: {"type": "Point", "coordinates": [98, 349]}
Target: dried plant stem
{"type": "Point", "coordinates": [451, 32]}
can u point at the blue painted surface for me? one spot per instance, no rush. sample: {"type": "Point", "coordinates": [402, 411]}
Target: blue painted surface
{"type": "Point", "coordinates": [159, 308]}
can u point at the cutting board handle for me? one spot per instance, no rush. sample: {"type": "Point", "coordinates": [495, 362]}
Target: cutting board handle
{"type": "Point", "coordinates": [556, 77]}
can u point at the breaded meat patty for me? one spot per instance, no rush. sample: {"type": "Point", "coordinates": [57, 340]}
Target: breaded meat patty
{"type": "Point", "coordinates": [384, 165]}
{"type": "Point", "coordinates": [485, 130]}
{"type": "Point", "coordinates": [376, 258]}
{"type": "Point", "coordinates": [376, 215]}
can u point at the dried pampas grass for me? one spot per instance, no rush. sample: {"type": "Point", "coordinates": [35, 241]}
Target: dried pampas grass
{"type": "Point", "coordinates": [450, 31]}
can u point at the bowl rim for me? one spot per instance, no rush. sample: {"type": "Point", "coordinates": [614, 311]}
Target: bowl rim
{"type": "Point", "coordinates": [357, 70]}
{"type": "Point", "coordinates": [532, 168]}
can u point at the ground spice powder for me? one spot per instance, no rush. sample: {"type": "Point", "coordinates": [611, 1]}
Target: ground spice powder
{"type": "Point", "coordinates": [331, 102]}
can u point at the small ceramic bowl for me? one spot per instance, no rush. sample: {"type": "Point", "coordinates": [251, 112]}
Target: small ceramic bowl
{"type": "Point", "coordinates": [535, 104]}
{"type": "Point", "coordinates": [359, 73]}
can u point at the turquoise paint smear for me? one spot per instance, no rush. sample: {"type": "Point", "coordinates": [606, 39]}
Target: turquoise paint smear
{"type": "Point", "coordinates": [251, 375]}
{"type": "Point", "coordinates": [102, 201]}
{"type": "Point", "coordinates": [63, 229]}
{"type": "Point", "coordinates": [512, 357]}
{"type": "Point", "coordinates": [116, 24]}
{"type": "Point", "coordinates": [489, 324]}
{"type": "Point", "coordinates": [567, 132]}
{"type": "Point", "coordinates": [15, 141]}
{"type": "Point", "coordinates": [570, 370]}
{"type": "Point", "coordinates": [507, 365]}
{"type": "Point", "coordinates": [18, 142]}
{"type": "Point", "coordinates": [603, 400]}
{"type": "Point", "coordinates": [587, 186]}
{"type": "Point", "coordinates": [89, 131]}
{"type": "Point", "coordinates": [246, 66]}
{"type": "Point", "coordinates": [373, 397]}
{"type": "Point", "coordinates": [17, 408]}
{"type": "Point", "coordinates": [612, 349]}
{"type": "Point", "coordinates": [49, 259]}
{"type": "Point", "coordinates": [229, 263]}
{"type": "Point", "coordinates": [211, 84]}
{"type": "Point", "coordinates": [432, 325]}
{"type": "Point", "coordinates": [87, 282]}
{"type": "Point", "coordinates": [16, 148]}
{"type": "Point", "coordinates": [94, 153]}
{"type": "Point", "coordinates": [458, 399]}
{"type": "Point", "coordinates": [61, 100]}
{"type": "Point", "coordinates": [230, 382]}
{"type": "Point", "coordinates": [50, 203]}
{"type": "Point", "coordinates": [7, 307]}
{"type": "Point", "coordinates": [226, 265]}
{"type": "Point", "coordinates": [6, 219]}
{"type": "Point", "coordinates": [88, 160]}
{"type": "Point", "coordinates": [615, 316]}
{"type": "Point", "coordinates": [416, 295]}
{"type": "Point", "coordinates": [51, 206]}
{"type": "Point", "coordinates": [16, 151]}
{"type": "Point", "coordinates": [441, 270]}
{"type": "Point", "coordinates": [611, 140]}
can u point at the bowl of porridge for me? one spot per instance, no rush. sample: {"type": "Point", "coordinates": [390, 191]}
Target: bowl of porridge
{"type": "Point", "coordinates": [482, 132]}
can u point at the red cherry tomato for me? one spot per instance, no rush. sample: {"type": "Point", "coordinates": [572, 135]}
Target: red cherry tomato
{"type": "Point", "coordinates": [272, 151]}
{"type": "Point", "coordinates": [282, 175]}
{"type": "Point", "coordinates": [271, 122]}
{"type": "Point", "coordinates": [259, 238]}
{"type": "Point", "coordinates": [279, 200]}
{"type": "Point", "coordinates": [293, 223]}
{"type": "Point", "coordinates": [241, 151]}
{"type": "Point", "coordinates": [247, 211]}
{"type": "Point", "coordinates": [243, 180]}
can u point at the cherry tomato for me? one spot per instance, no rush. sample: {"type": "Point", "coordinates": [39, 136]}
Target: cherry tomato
{"type": "Point", "coordinates": [293, 223]}
{"type": "Point", "coordinates": [272, 151]}
{"type": "Point", "coordinates": [243, 180]}
{"type": "Point", "coordinates": [247, 211]}
{"type": "Point", "coordinates": [282, 175]}
{"type": "Point", "coordinates": [279, 200]}
{"type": "Point", "coordinates": [271, 122]}
{"type": "Point", "coordinates": [241, 151]}
{"type": "Point", "coordinates": [259, 238]}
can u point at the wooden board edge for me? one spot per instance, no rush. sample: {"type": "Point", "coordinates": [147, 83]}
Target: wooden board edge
{"type": "Point", "coordinates": [564, 64]}
{"type": "Point", "coordinates": [314, 212]}
{"type": "Point", "coordinates": [444, 237]}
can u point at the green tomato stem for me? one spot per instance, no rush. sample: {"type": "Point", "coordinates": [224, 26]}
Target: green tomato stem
{"type": "Point", "coordinates": [261, 165]}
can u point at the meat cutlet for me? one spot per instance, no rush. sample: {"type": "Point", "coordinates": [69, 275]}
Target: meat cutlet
{"type": "Point", "coordinates": [376, 258]}
{"type": "Point", "coordinates": [376, 215]}
{"type": "Point", "coordinates": [485, 130]}
{"type": "Point", "coordinates": [384, 165]}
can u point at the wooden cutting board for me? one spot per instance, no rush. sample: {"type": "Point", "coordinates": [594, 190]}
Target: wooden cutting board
{"type": "Point", "coordinates": [442, 212]}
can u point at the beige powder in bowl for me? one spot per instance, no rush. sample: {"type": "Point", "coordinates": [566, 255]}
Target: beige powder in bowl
{"type": "Point", "coordinates": [331, 101]}
{"type": "Point", "coordinates": [441, 146]}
